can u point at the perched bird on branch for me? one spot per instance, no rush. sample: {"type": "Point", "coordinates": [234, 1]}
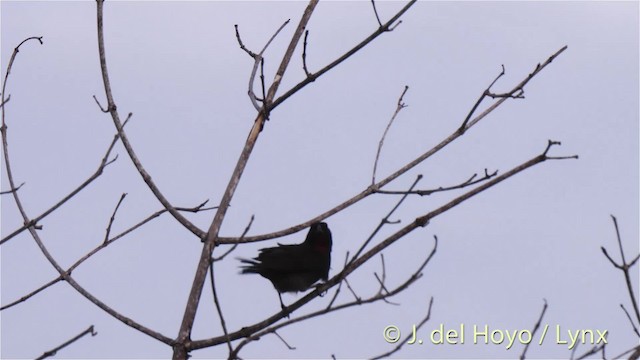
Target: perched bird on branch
{"type": "Point", "coordinates": [293, 268]}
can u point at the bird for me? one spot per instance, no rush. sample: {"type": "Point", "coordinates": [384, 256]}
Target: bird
{"type": "Point", "coordinates": [294, 268]}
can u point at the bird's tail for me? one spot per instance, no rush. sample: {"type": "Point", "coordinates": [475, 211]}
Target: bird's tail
{"type": "Point", "coordinates": [251, 267]}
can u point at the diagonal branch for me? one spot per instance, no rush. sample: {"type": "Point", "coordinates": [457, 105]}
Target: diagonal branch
{"type": "Point", "coordinates": [535, 329]}
{"type": "Point", "coordinates": [351, 267]}
{"type": "Point", "coordinates": [53, 351]}
{"type": "Point", "coordinates": [181, 350]}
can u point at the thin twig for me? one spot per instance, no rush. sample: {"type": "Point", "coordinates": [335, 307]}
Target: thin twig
{"type": "Point", "coordinates": [335, 295]}
{"type": "Point", "coordinates": [406, 339]}
{"type": "Point", "coordinates": [55, 350]}
{"type": "Point", "coordinates": [258, 59]}
{"type": "Point", "coordinates": [633, 325]}
{"type": "Point", "coordinates": [283, 341]}
{"type": "Point", "coordinates": [463, 127]}
{"type": "Point", "coordinates": [216, 301]}
{"type": "Point", "coordinates": [12, 190]}
{"type": "Point", "coordinates": [113, 217]}
{"type": "Point", "coordinates": [304, 54]}
{"type": "Point", "coordinates": [593, 350]}
{"type": "Point", "coordinates": [381, 280]}
{"type": "Point", "coordinates": [244, 233]}
{"type": "Point", "coordinates": [4, 101]}
{"type": "Point", "coordinates": [624, 267]}
{"type": "Point", "coordinates": [469, 182]}
{"type": "Point", "coordinates": [385, 220]}
{"type": "Point", "coordinates": [401, 105]}
{"type": "Point", "coordinates": [535, 329]}
{"type": "Point", "coordinates": [375, 11]}
{"type": "Point", "coordinates": [634, 356]}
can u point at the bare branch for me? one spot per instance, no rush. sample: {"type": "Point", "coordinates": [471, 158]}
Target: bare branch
{"type": "Point", "coordinates": [381, 280]}
{"type": "Point", "coordinates": [258, 59]}
{"type": "Point", "coordinates": [593, 350]}
{"type": "Point", "coordinates": [406, 339]}
{"type": "Point", "coordinates": [484, 94]}
{"type": "Point", "coordinates": [12, 190]}
{"type": "Point", "coordinates": [3, 131]}
{"type": "Point", "coordinates": [384, 220]}
{"type": "Point", "coordinates": [4, 101]}
{"type": "Point", "coordinates": [216, 301]}
{"type": "Point", "coordinates": [111, 106]}
{"type": "Point", "coordinates": [55, 350]}
{"type": "Point", "coordinates": [181, 347]}
{"type": "Point", "coordinates": [100, 105]}
{"type": "Point", "coordinates": [33, 293]}
{"type": "Point", "coordinates": [284, 342]}
{"type": "Point", "coordinates": [113, 217]}
{"type": "Point", "coordinates": [213, 286]}
{"type": "Point", "coordinates": [304, 54]}
{"type": "Point", "coordinates": [335, 295]}
{"type": "Point", "coordinates": [624, 267]}
{"type": "Point", "coordinates": [469, 182]}
{"type": "Point", "coordinates": [401, 105]}
{"type": "Point", "coordinates": [246, 230]}
{"type": "Point", "coordinates": [535, 329]}
{"type": "Point", "coordinates": [516, 89]}
{"type": "Point", "coordinates": [635, 353]}
{"type": "Point", "coordinates": [633, 325]}
{"type": "Point", "coordinates": [375, 11]}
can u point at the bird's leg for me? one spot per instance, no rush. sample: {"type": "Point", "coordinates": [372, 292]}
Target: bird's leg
{"type": "Point", "coordinates": [284, 308]}
{"type": "Point", "coordinates": [316, 286]}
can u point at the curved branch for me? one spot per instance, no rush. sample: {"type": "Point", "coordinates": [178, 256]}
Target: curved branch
{"type": "Point", "coordinates": [103, 245]}
{"type": "Point", "coordinates": [112, 109]}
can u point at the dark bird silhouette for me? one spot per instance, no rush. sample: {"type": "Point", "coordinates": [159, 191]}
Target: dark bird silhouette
{"type": "Point", "coordinates": [293, 268]}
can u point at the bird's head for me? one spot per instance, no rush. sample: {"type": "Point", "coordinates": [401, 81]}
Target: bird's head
{"type": "Point", "coordinates": [319, 237]}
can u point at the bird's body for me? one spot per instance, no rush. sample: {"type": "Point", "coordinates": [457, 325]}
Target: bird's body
{"type": "Point", "coordinates": [293, 268]}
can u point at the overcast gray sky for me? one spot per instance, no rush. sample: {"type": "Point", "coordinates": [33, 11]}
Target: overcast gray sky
{"type": "Point", "coordinates": [177, 67]}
